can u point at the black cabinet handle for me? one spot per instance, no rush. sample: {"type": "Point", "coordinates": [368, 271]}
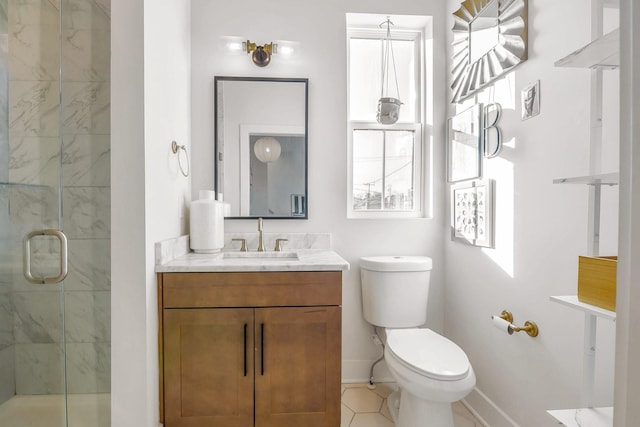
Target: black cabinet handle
{"type": "Point", "coordinates": [262, 349]}
{"type": "Point", "coordinates": [245, 350]}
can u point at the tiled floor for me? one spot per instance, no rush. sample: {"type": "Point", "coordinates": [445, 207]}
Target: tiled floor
{"type": "Point", "coordinates": [84, 410]}
{"type": "Point", "coordinates": [362, 407]}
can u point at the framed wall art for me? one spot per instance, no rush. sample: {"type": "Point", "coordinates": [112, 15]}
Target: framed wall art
{"type": "Point", "coordinates": [472, 212]}
{"type": "Point", "coordinates": [464, 145]}
{"type": "Point", "coordinates": [530, 100]}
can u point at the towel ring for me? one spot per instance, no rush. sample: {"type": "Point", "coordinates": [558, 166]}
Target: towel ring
{"type": "Point", "coordinates": [175, 147]}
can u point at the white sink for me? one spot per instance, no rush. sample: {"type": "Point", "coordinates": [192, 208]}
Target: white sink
{"type": "Point", "coordinates": [261, 256]}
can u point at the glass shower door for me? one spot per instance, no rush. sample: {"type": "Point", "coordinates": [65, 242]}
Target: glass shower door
{"type": "Point", "coordinates": [32, 341]}
{"type": "Point", "coordinates": [54, 159]}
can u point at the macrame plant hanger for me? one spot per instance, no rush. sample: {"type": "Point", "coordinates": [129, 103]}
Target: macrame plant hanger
{"type": "Point", "coordinates": [388, 107]}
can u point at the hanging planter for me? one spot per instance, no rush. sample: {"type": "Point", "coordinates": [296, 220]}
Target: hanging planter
{"type": "Point", "coordinates": [388, 107]}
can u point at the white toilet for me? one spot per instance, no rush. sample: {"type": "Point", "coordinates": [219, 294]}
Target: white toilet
{"type": "Point", "coordinates": [431, 371]}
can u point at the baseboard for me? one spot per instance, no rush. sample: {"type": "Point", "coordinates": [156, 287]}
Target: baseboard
{"type": "Point", "coordinates": [357, 371]}
{"type": "Point", "coordinates": [486, 411]}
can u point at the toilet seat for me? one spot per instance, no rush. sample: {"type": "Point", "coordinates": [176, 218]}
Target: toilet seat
{"type": "Point", "coordinates": [428, 353]}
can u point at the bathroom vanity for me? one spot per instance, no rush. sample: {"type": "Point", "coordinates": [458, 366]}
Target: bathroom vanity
{"type": "Point", "coordinates": [249, 340]}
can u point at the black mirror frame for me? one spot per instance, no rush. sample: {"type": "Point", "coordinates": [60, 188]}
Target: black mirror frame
{"type": "Point", "coordinates": [218, 155]}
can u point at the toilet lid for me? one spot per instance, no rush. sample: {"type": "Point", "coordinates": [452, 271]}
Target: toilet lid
{"type": "Point", "coordinates": [428, 353]}
{"type": "Point", "coordinates": [396, 263]}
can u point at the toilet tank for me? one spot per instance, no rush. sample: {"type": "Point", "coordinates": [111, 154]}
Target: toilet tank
{"type": "Point", "coordinates": [395, 290]}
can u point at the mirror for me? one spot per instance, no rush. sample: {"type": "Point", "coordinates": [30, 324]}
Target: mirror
{"type": "Point", "coordinates": [261, 146]}
{"type": "Point", "coordinates": [489, 39]}
{"type": "Point", "coordinates": [483, 32]}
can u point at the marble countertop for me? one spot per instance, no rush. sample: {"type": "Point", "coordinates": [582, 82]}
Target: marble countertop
{"type": "Point", "coordinates": [307, 260]}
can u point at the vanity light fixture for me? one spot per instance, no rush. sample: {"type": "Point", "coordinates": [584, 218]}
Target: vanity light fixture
{"type": "Point", "coordinates": [260, 55]}
{"type": "Point", "coordinates": [267, 149]}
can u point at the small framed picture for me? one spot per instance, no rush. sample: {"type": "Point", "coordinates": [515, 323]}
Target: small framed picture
{"type": "Point", "coordinates": [530, 100]}
{"type": "Point", "coordinates": [464, 145]}
{"type": "Point", "coordinates": [472, 213]}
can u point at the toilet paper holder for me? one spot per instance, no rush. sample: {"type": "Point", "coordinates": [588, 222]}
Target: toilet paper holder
{"type": "Point", "coordinates": [529, 327]}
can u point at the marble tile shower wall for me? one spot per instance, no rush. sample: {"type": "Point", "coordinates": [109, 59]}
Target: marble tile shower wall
{"type": "Point", "coordinates": [4, 93]}
{"type": "Point", "coordinates": [38, 49]}
{"type": "Point", "coordinates": [15, 325]}
{"type": "Point", "coordinates": [7, 365]}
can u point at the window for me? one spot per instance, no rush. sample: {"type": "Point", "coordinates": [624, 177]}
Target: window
{"type": "Point", "coordinates": [385, 161]}
{"type": "Point", "coordinates": [384, 169]}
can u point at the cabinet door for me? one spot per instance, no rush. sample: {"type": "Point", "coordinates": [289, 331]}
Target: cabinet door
{"type": "Point", "coordinates": [208, 367]}
{"type": "Point", "coordinates": [298, 361]}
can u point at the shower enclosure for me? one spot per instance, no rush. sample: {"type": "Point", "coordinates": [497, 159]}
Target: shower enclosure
{"type": "Point", "coordinates": [54, 175]}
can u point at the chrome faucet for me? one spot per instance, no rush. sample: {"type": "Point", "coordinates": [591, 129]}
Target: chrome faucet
{"type": "Point", "coordinates": [260, 242]}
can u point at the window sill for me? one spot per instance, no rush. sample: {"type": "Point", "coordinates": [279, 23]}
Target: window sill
{"type": "Point", "coordinates": [385, 215]}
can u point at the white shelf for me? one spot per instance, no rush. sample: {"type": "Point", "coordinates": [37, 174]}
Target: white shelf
{"type": "Point", "coordinates": [591, 417]}
{"type": "Point", "coordinates": [572, 301]}
{"type": "Point", "coordinates": [603, 52]}
{"type": "Point", "coordinates": [614, 4]}
{"type": "Point", "coordinates": [603, 179]}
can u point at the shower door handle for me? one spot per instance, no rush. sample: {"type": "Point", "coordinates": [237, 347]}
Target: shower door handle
{"type": "Point", "coordinates": [63, 257]}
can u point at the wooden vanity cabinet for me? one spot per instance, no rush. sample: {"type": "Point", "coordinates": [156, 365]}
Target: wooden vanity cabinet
{"type": "Point", "coordinates": [206, 358]}
{"type": "Point", "coordinates": [250, 349]}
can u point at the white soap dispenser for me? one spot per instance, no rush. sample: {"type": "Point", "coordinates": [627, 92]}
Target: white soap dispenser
{"type": "Point", "coordinates": [206, 227]}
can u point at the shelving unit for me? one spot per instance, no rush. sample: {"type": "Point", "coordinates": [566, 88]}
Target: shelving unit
{"type": "Point", "coordinates": [603, 53]}
{"type": "Point", "coordinates": [588, 416]}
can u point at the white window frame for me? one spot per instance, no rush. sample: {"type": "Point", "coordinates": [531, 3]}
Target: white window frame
{"type": "Point", "coordinates": [415, 126]}
{"type": "Point", "coordinates": [417, 175]}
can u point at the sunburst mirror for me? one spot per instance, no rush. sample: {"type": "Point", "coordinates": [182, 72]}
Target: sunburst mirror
{"type": "Point", "coordinates": [489, 39]}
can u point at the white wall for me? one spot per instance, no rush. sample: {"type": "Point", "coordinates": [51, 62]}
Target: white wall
{"type": "Point", "coordinates": [627, 387]}
{"type": "Point", "coordinates": [167, 100]}
{"type": "Point", "coordinates": [320, 29]}
{"type": "Point", "coordinates": [541, 229]}
{"type": "Point", "coordinates": [128, 263]}
{"type": "Point", "coordinates": [150, 108]}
